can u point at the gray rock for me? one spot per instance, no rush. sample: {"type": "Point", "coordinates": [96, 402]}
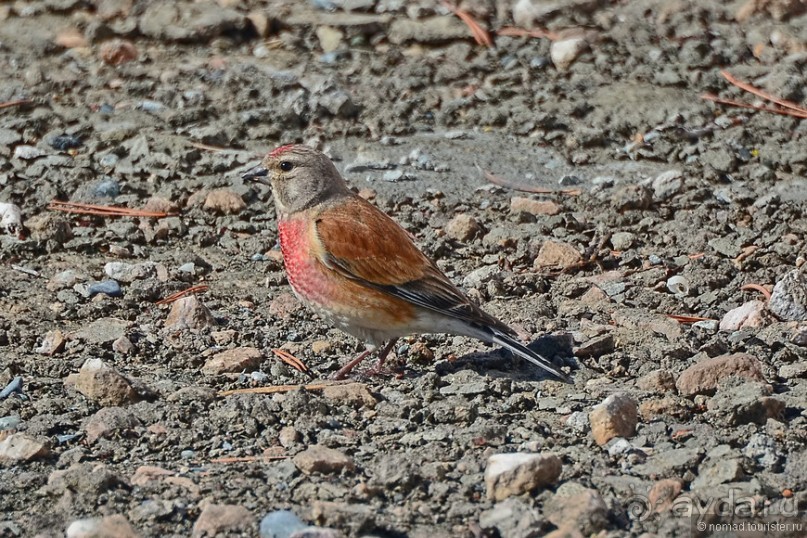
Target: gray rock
{"type": "Point", "coordinates": [763, 450]}
{"type": "Point", "coordinates": [431, 30]}
{"type": "Point", "coordinates": [744, 404]}
{"type": "Point", "coordinates": [622, 240]}
{"type": "Point", "coordinates": [670, 463]}
{"type": "Point", "coordinates": [129, 272]}
{"type": "Point", "coordinates": [667, 184]}
{"type": "Point", "coordinates": [280, 524]}
{"type": "Point", "coordinates": [511, 517]}
{"type": "Point", "coordinates": [103, 331]}
{"type": "Point", "coordinates": [579, 507]}
{"type": "Point", "coordinates": [789, 297]}
{"type": "Point", "coordinates": [110, 421]}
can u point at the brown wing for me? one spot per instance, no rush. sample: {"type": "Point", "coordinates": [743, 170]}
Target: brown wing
{"type": "Point", "coordinates": [367, 246]}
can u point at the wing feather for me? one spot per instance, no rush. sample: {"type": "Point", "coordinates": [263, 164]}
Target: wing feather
{"type": "Point", "coordinates": [365, 245]}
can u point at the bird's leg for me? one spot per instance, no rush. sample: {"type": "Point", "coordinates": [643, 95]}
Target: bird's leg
{"type": "Point", "coordinates": [346, 369]}
{"type": "Point", "coordinates": [382, 357]}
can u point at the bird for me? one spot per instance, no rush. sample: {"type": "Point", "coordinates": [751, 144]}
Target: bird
{"type": "Point", "coordinates": [352, 264]}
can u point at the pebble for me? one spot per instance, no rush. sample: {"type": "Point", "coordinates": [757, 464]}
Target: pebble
{"type": "Point", "coordinates": [330, 38]}
{"type": "Point", "coordinates": [764, 451]}
{"type": "Point", "coordinates": [224, 202]}
{"type": "Point", "coordinates": [28, 153]}
{"type": "Point", "coordinates": [519, 204]}
{"type": "Point", "coordinates": [110, 421]}
{"type": "Point", "coordinates": [789, 297]}
{"type": "Point", "coordinates": [189, 313]}
{"type": "Point", "coordinates": [123, 345]}
{"type": "Point", "coordinates": [323, 460]}
{"type": "Point", "coordinates": [284, 305]}
{"type": "Point", "coordinates": [118, 52]}
{"type": "Point", "coordinates": [749, 403]}
{"type": "Point", "coordinates": [222, 518]}
{"type": "Point", "coordinates": [10, 422]}
{"type": "Point", "coordinates": [90, 479]}
{"type": "Point", "coordinates": [704, 376]}
{"type": "Point", "coordinates": [109, 160]}
{"type": "Point", "coordinates": [150, 106]}
{"type": "Point", "coordinates": [53, 342]}
{"type": "Point", "coordinates": [105, 287]}
{"type": "Point", "coordinates": [116, 526]}
{"type": "Point", "coordinates": [64, 142]}
{"type": "Point", "coordinates": [555, 254]}
{"type": "Point", "coordinates": [516, 473]}
{"type": "Point", "coordinates": [394, 176]}
{"type": "Point", "coordinates": [11, 219]}
{"type": "Point", "coordinates": [233, 361]}
{"type": "Point", "coordinates": [622, 240]}
{"type": "Point", "coordinates": [14, 387]}
{"type": "Point", "coordinates": [579, 422]}
{"type": "Point", "coordinates": [749, 315]}
{"type": "Point", "coordinates": [21, 447]}
{"type": "Point", "coordinates": [430, 30]}
{"type": "Point", "coordinates": [280, 524]}
{"type": "Point", "coordinates": [511, 517]}
{"type": "Point", "coordinates": [288, 436]}
{"type": "Point", "coordinates": [462, 227]}
{"type": "Point", "coordinates": [678, 285]}
{"type": "Point", "coordinates": [103, 384]}
{"type": "Point", "coordinates": [353, 394]}
{"type": "Point", "coordinates": [102, 331]}
{"type": "Point", "coordinates": [65, 280]}
{"type": "Point", "coordinates": [565, 51]}
{"type": "Point", "coordinates": [663, 493]}
{"type": "Point", "coordinates": [129, 272]}
{"type": "Point", "coordinates": [657, 381]}
{"type": "Point", "coordinates": [616, 416]}
{"type": "Point", "coordinates": [667, 184]}
{"type": "Point", "coordinates": [596, 347]}
{"type": "Point", "coordinates": [107, 188]}
{"type": "Point", "coordinates": [578, 507]}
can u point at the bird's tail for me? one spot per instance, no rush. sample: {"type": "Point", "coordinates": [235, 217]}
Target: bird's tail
{"type": "Point", "coordinates": [507, 341]}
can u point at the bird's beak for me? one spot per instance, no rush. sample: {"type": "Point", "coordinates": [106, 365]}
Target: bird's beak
{"type": "Point", "coordinates": [257, 174]}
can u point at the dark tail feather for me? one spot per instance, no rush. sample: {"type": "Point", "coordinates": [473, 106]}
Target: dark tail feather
{"type": "Point", "coordinates": [524, 352]}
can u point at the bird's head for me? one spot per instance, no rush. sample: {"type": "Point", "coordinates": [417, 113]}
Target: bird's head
{"type": "Point", "coordinates": [300, 177]}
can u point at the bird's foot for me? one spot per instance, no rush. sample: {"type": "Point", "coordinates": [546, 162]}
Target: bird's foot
{"type": "Point", "coordinates": [375, 370]}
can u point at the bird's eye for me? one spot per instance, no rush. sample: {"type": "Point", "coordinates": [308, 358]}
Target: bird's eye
{"type": "Point", "coordinates": [286, 166]}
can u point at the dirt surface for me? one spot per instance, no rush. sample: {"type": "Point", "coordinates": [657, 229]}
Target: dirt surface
{"type": "Point", "coordinates": [112, 422]}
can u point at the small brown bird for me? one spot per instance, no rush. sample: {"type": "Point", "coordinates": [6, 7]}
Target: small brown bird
{"type": "Point", "coordinates": [353, 265]}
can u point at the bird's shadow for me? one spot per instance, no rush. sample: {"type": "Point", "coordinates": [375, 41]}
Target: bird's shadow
{"type": "Point", "coordinates": [499, 362]}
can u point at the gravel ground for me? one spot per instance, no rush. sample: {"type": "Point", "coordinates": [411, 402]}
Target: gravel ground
{"type": "Point", "coordinates": [115, 415]}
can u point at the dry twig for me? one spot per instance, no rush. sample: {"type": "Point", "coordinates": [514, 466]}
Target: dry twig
{"type": "Point", "coordinates": [688, 319]}
{"type": "Point", "coordinates": [496, 180]}
{"type": "Point", "coordinates": [104, 210]}
{"type": "Point", "coordinates": [481, 36]}
{"type": "Point", "coordinates": [757, 287]}
{"type": "Point", "coordinates": [513, 31]}
{"type": "Point", "coordinates": [200, 288]}
{"type": "Point", "coordinates": [275, 389]}
{"type": "Point", "coordinates": [292, 361]}
{"type": "Point", "coordinates": [788, 108]}
{"type": "Point", "coordinates": [17, 102]}
{"type": "Point", "coordinates": [247, 459]}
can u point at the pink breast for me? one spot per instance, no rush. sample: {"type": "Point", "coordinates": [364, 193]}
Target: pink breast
{"type": "Point", "coordinates": [300, 266]}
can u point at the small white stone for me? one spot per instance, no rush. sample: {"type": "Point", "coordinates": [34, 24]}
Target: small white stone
{"type": "Point", "coordinates": [566, 51]}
